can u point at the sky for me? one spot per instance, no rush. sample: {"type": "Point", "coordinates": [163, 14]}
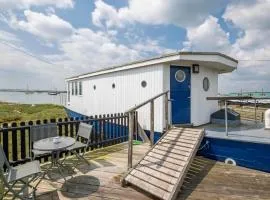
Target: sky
{"type": "Point", "coordinates": [44, 41]}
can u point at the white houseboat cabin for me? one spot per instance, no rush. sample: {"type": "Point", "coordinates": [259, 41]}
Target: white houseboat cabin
{"type": "Point", "coordinates": [189, 76]}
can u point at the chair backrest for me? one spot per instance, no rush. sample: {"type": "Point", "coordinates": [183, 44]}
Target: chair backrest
{"type": "Point", "coordinates": [43, 131]}
{"type": "Point", "coordinates": [3, 159]}
{"type": "Point", "coordinates": [85, 131]}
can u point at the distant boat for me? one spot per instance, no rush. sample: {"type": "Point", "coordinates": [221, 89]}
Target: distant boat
{"type": "Point", "coordinates": [28, 91]}
{"type": "Point", "coordinates": [52, 93]}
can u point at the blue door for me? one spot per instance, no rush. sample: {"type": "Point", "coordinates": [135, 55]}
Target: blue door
{"type": "Point", "coordinates": [180, 94]}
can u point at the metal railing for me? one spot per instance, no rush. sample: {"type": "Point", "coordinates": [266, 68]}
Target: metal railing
{"type": "Point", "coordinates": [132, 120]}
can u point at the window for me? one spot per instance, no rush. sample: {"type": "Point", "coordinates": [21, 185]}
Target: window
{"type": "Point", "coordinates": [180, 76]}
{"type": "Point", "coordinates": [80, 88]}
{"type": "Point", "coordinates": [143, 84]}
{"type": "Point", "coordinates": [113, 85]}
{"type": "Point", "coordinates": [94, 87]}
{"type": "Point", "coordinates": [76, 88]}
{"type": "Point", "coordinates": [206, 84]}
{"type": "Point", "coordinates": [72, 85]}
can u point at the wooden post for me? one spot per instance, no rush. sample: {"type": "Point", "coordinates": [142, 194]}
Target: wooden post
{"type": "Point", "coordinates": [166, 112]}
{"type": "Point", "coordinates": [130, 138]}
{"type": "Point", "coordinates": [152, 122]}
{"type": "Point", "coordinates": [226, 118]}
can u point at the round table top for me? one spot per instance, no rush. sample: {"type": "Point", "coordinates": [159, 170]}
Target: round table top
{"type": "Point", "coordinates": [49, 144]}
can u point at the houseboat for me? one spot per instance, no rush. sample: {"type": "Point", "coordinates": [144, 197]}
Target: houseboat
{"type": "Point", "coordinates": [190, 77]}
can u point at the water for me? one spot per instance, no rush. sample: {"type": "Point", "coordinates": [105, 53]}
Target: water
{"type": "Point", "coordinates": [34, 98]}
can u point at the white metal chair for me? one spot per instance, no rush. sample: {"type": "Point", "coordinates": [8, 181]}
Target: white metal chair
{"type": "Point", "coordinates": [84, 132]}
{"type": "Point", "coordinates": [39, 132]}
{"type": "Point", "coordinates": [20, 174]}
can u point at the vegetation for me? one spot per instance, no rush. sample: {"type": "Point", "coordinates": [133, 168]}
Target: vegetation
{"type": "Point", "coordinates": [11, 112]}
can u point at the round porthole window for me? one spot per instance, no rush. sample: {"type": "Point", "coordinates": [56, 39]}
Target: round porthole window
{"type": "Point", "coordinates": [180, 76]}
{"type": "Point", "coordinates": [206, 84]}
{"type": "Point", "coordinates": [144, 84]}
{"type": "Point", "coordinates": [94, 87]}
{"type": "Point", "coordinates": [113, 85]}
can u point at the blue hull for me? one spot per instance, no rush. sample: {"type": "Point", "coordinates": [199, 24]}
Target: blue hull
{"type": "Point", "coordinates": [248, 154]}
{"type": "Point", "coordinates": [73, 114]}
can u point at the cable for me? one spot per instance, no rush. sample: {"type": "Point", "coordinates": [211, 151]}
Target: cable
{"type": "Point", "coordinates": [25, 52]}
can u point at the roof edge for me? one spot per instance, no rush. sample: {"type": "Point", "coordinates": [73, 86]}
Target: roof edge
{"type": "Point", "coordinates": [154, 58]}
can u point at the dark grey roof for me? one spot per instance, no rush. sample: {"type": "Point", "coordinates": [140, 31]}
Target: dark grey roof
{"type": "Point", "coordinates": [158, 57]}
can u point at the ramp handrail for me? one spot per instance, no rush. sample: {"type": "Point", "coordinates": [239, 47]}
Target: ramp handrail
{"type": "Point", "coordinates": [131, 117]}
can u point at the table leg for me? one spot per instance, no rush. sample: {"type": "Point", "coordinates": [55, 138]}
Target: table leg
{"type": "Point", "coordinates": [55, 163]}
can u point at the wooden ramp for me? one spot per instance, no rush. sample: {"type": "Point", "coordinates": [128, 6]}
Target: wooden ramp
{"type": "Point", "coordinates": [162, 170]}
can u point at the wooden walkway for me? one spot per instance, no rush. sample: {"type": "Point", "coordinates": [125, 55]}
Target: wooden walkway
{"type": "Point", "coordinates": [162, 171]}
{"type": "Point", "coordinates": [206, 179]}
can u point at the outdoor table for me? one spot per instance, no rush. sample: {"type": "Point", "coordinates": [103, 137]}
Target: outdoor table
{"type": "Point", "coordinates": [56, 147]}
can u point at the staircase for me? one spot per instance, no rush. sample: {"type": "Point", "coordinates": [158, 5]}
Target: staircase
{"type": "Point", "coordinates": [162, 170]}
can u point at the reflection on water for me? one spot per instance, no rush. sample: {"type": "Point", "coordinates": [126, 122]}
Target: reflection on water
{"type": "Point", "coordinates": [33, 98]}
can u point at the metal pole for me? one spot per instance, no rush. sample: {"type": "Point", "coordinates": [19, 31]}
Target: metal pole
{"type": "Point", "coordinates": [226, 118]}
{"type": "Point", "coordinates": [130, 138]}
{"type": "Point", "coordinates": [255, 111]}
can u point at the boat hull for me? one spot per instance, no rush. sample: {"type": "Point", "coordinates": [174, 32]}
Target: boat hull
{"type": "Point", "coordinates": [244, 153]}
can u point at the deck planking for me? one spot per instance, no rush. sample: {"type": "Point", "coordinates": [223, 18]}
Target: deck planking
{"type": "Point", "coordinates": [206, 179]}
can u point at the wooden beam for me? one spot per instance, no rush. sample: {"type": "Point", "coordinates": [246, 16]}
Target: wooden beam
{"type": "Point", "coordinates": [152, 122]}
{"type": "Point", "coordinates": [223, 98]}
{"type": "Point", "coordinates": [131, 117]}
{"type": "Point", "coordinates": [166, 110]}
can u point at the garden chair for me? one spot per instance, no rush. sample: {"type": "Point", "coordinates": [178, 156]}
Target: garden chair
{"type": "Point", "coordinates": [84, 133]}
{"type": "Point", "coordinates": [39, 132]}
{"type": "Point", "coordinates": [24, 174]}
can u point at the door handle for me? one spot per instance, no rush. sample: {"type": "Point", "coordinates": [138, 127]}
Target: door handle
{"type": "Point", "coordinates": [171, 100]}
{"type": "Point", "coordinates": [189, 97]}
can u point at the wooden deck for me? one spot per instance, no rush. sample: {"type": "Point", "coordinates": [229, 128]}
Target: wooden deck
{"type": "Point", "coordinates": [206, 179]}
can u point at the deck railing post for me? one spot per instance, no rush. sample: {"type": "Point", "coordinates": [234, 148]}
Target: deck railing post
{"type": "Point", "coordinates": [166, 104]}
{"type": "Point", "coordinates": [152, 122]}
{"type": "Point", "coordinates": [131, 116]}
{"type": "Point", "coordinates": [226, 118]}
{"type": "Point", "coordinates": [255, 111]}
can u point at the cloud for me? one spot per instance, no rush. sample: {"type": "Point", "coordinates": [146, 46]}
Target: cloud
{"type": "Point", "coordinates": [250, 47]}
{"type": "Point", "coordinates": [7, 36]}
{"type": "Point", "coordinates": [26, 4]}
{"type": "Point", "coordinates": [79, 50]}
{"type": "Point", "coordinates": [253, 19]}
{"type": "Point", "coordinates": [18, 70]}
{"type": "Point", "coordinates": [155, 12]}
{"type": "Point", "coordinates": [87, 50]}
{"type": "Point", "coordinates": [150, 46]}
{"type": "Point", "coordinates": [49, 27]}
{"type": "Point", "coordinates": [209, 36]}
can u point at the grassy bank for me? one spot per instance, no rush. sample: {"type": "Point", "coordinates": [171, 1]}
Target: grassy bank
{"type": "Point", "coordinates": [11, 112]}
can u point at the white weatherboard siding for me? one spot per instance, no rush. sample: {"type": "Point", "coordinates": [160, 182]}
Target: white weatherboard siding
{"type": "Point", "coordinates": [127, 93]}
{"type": "Point", "coordinates": [201, 109]}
